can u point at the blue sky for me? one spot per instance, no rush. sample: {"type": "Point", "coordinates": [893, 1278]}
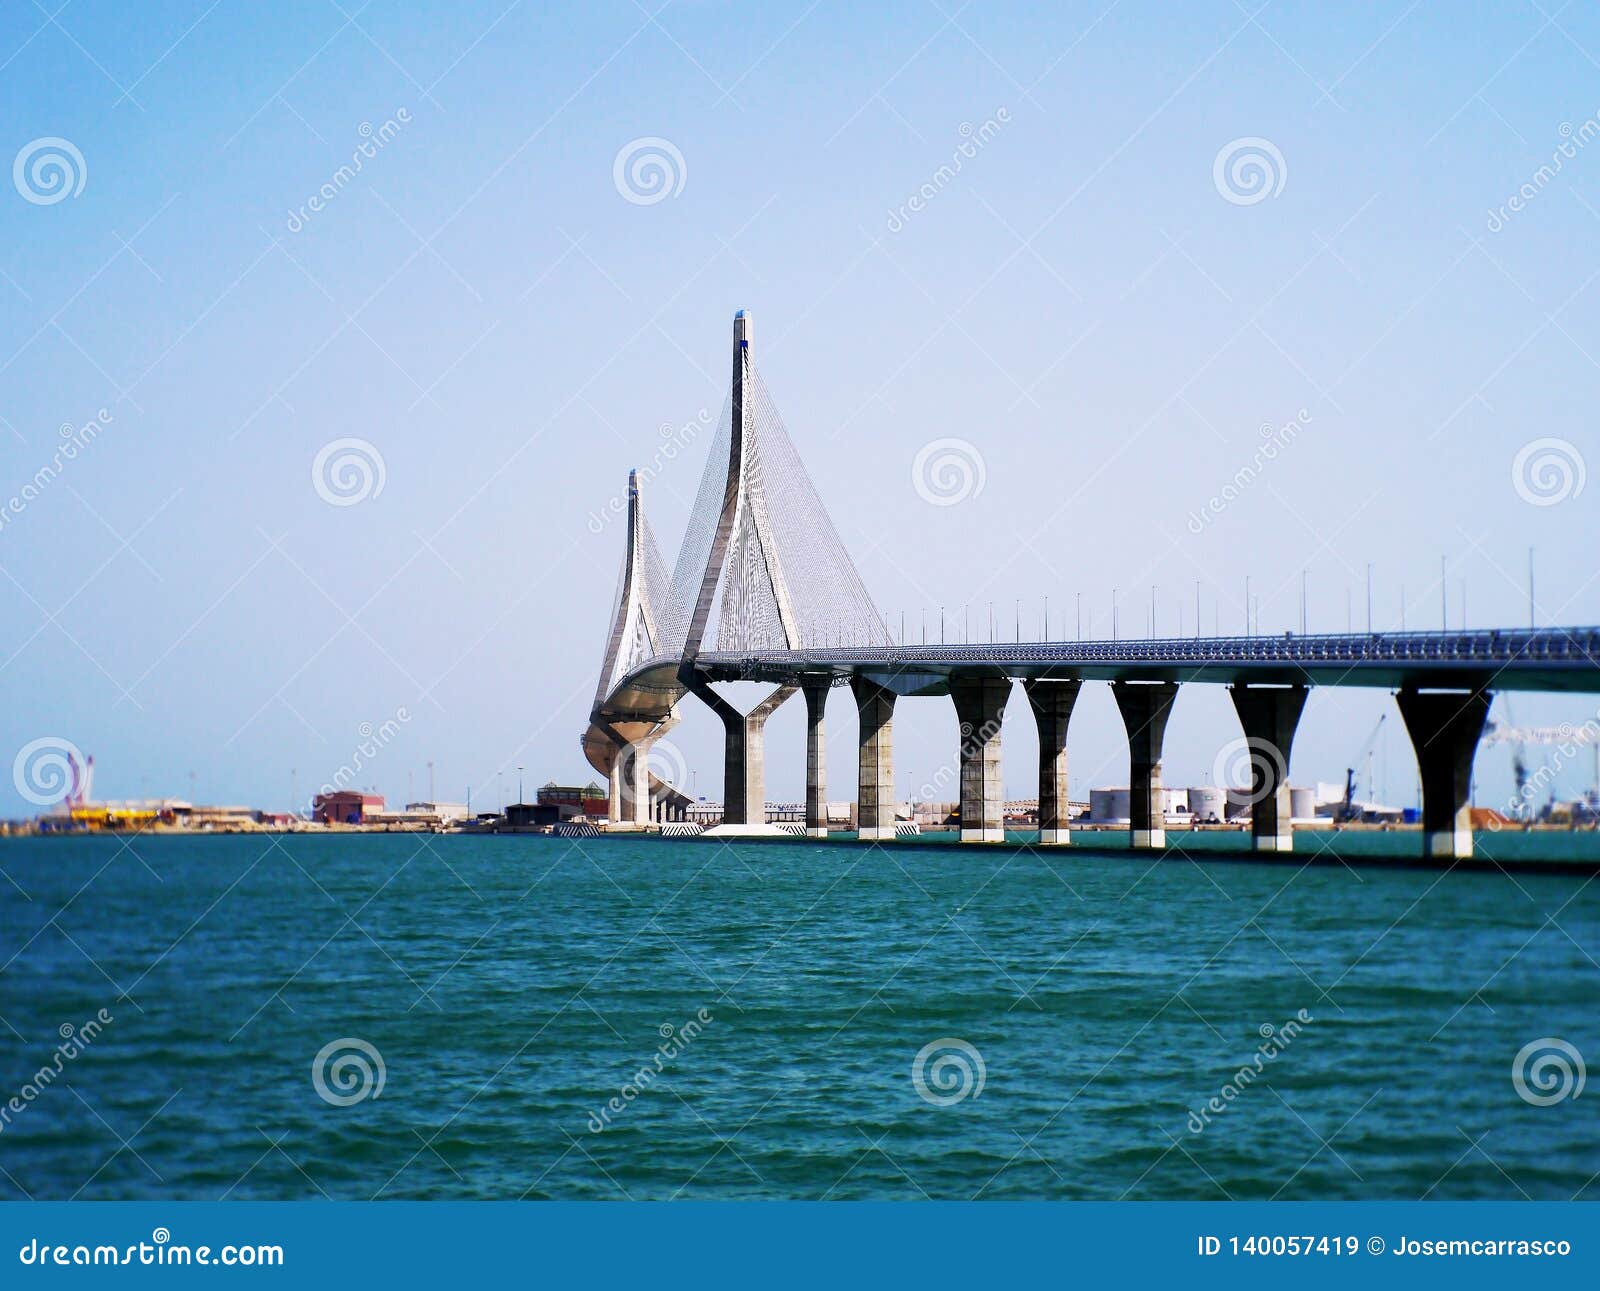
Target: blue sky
{"type": "Point", "coordinates": [1082, 303]}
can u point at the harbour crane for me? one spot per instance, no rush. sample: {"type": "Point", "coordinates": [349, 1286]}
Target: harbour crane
{"type": "Point", "coordinates": [1347, 809]}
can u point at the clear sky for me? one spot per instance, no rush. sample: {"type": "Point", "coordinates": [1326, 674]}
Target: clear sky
{"type": "Point", "coordinates": [1095, 300]}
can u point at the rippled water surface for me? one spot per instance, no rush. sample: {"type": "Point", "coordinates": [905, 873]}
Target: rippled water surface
{"type": "Point", "coordinates": [512, 986]}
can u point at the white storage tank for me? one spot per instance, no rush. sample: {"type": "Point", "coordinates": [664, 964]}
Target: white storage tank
{"type": "Point", "coordinates": [1109, 806]}
{"type": "Point", "coordinates": [1302, 802]}
{"type": "Point", "coordinates": [1208, 804]}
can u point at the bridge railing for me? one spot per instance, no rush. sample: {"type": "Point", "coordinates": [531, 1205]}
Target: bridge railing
{"type": "Point", "coordinates": [1487, 646]}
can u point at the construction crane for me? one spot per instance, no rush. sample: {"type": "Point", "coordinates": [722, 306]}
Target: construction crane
{"type": "Point", "coordinates": [1347, 809]}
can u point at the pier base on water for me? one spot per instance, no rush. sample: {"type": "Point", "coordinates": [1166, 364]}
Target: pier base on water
{"type": "Point", "coordinates": [1445, 727]}
{"type": "Point", "coordinates": [1145, 707]}
{"type": "Point", "coordinates": [980, 708]}
{"type": "Point", "coordinates": [1052, 703]}
{"type": "Point", "coordinates": [875, 777]}
{"type": "Point", "coordinates": [1269, 716]}
{"type": "Point", "coordinates": [816, 690]}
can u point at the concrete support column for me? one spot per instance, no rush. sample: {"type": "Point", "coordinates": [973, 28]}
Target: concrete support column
{"type": "Point", "coordinates": [1269, 715]}
{"type": "Point", "coordinates": [614, 786]}
{"type": "Point", "coordinates": [816, 693]}
{"type": "Point", "coordinates": [1445, 728]}
{"type": "Point", "coordinates": [1145, 707]}
{"type": "Point", "coordinates": [744, 798]}
{"type": "Point", "coordinates": [635, 758]}
{"type": "Point", "coordinates": [1052, 703]}
{"type": "Point", "coordinates": [875, 787]}
{"type": "Point", "coordinates": [980, 707]}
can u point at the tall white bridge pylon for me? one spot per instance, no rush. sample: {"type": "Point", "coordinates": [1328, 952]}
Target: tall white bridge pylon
{"type": "Point", "coordinates": [618, 743]}
{"type": "Point", "coordinates": [762, 567]}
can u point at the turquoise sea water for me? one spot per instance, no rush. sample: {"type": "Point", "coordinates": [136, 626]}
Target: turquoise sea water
{"type": "Point", "coordinates": [512, 986]}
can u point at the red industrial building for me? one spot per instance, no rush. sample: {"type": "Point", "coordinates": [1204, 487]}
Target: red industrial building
{"type": "Point", "coordinates": [571, 800]}
{"type": "Point", "coordinates": [345, 807]}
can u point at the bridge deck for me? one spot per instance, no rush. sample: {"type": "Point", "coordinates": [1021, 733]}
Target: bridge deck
{"type": "Point", "coordinates": [1553, 659]}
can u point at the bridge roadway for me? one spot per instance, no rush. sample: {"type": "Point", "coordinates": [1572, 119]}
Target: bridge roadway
{"type": "Point", "coordinates": [1443, 683]}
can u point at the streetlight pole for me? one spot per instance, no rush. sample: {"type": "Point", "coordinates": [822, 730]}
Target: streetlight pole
{"type": "Point", "coordinates": [1531, 623]}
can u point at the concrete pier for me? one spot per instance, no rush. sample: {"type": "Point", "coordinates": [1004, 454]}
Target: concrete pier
{"type": "Point", "coordinates": [875, 784]}
{"type": "Point", "coordinates": [614, 788]}
{"type": "Point", "coordinates": [1445, 727]}
{"type": "Point", "coordinates": [1052, 703]}
{"type": "Point", "coordinates": [744, 800]}
{"type": "Point", "coordinates": [980, 708]}
{"type": "Point", "coordinates": [635, 759]}
{"type": "Point", "coordinates": [1145, 707]}
{"type": "Point", "coordinates": [816, 690]}
{"type": "Point", "coordinates": [1269, 716]}
{"type": "Point", "coordinates": [744, 791]}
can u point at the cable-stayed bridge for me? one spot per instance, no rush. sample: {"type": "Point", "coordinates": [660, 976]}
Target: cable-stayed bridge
{"type": "Point", "coordinates": [764, 590]}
